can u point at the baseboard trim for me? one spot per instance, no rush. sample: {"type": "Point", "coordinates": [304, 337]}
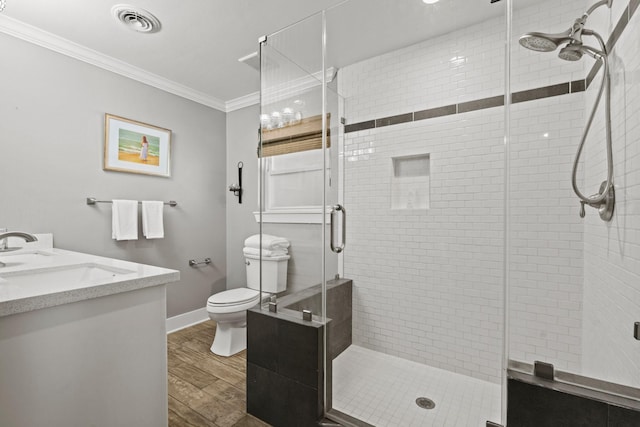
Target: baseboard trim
{"type": "Point", "coordinates": [185, 320]}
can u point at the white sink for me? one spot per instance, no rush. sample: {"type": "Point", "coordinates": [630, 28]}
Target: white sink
{"type": "Point", "coordinates": [69, 275]}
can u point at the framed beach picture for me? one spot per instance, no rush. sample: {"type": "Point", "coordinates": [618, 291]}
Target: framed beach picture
{"type": "Point", "coordinates": [136, 147]}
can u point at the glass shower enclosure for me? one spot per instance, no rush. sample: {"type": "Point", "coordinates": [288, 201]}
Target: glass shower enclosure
{"type": "Point", "coordinates": [382, 162]}
{"type": "Point", "coordinates": [443, 210]}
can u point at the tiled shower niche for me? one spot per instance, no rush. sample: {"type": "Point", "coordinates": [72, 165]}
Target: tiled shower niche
{"type": "Point", "coordinates": [410, 182]}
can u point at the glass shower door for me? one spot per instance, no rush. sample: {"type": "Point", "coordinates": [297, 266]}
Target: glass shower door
{"type": "Point", "coordinates": [299, 196]}
{"type": "Point", "coordinates": [401, 193]}
{"type": "Point", "coordinates": [574, 294]}
{"type": "Point", "coordinates": [421, 178]}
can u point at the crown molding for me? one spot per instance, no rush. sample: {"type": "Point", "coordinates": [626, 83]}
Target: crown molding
{"type": "Point", "coordinates": [50, 41]}
{"type": "Point", "coordinates": [243, 101]}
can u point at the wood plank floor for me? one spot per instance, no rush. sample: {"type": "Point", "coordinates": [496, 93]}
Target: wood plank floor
{"type": "Point", "coordinates": [206, 389]}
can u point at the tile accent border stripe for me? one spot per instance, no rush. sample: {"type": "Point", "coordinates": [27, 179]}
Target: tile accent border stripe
{"type": "Point", "coordinates": [498, 101]}
{"type": "Point", "coordinates": [481, 104]}
{"type": "Point", "coordinates": [465, 107]}
{"type": "Point", "coordinates": [360, 126]}
{"type": "Point", "coordinates": [435, 112]}
{"type": "Point", "coordinates": [394, 120]}
{"type": "Point", "coordinates": [541, 92]}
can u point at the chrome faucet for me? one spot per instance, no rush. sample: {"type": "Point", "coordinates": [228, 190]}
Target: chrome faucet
{"type": "Point", "coordinates": [4, 235]}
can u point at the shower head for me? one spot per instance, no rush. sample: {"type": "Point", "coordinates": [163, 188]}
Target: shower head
{"type": "Point", "coordinates": [571, 52]}
{"type": "Point", "coordinates": [574, 52]}
{"type": "Point", "coordinates": [543, 42]}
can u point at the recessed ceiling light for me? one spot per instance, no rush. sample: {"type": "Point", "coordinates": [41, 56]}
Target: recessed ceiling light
{"type": "Point", "coordinates": [135, 18]}
{"type": "Point", "coordinates": [430, 1]}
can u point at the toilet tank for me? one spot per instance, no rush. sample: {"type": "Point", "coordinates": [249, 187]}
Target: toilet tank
{"type": "Point", "coordinates": [274, 273]}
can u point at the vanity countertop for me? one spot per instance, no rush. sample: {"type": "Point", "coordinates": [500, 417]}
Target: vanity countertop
{"type": "Point", "coordinates": [33, 279]}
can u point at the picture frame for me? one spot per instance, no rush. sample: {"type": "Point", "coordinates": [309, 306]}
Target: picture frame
{"type": "Point", "coordinates": [136, 147]}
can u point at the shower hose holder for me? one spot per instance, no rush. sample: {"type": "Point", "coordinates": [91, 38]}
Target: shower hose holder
{"type": "Point", "coordinates": [605, 207]}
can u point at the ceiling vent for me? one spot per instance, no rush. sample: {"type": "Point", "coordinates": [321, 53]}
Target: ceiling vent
{"type": "Point", "coordinates": [135, 18]}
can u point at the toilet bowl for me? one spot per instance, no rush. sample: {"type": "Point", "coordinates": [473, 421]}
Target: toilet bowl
{"type": "Point", "coordinates": [229, 308]}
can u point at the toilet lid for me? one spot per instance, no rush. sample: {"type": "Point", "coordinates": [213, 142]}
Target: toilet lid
{"type": "Point", "coordinates": [233, 297]}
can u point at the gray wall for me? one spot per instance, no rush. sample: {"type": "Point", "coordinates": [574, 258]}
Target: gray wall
{"type": "Point", "coordinates": [51, 137]}
{"type": "Point", "coordinates": [242, 142]}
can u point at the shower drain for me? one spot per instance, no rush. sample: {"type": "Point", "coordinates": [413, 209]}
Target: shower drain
{"type": "Point", "coordinates": [425, 403]}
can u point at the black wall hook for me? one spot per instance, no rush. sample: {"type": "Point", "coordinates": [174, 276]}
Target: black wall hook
{"type": "Point", "coordinates": [237, 189]}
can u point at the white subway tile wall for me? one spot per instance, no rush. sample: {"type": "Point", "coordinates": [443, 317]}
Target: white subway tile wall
{"type": "Point", "coordinates": [612, 251]}
{"type": "Point", "coordinates": [428, 283]}
{"type": "Point", "coordinates": [537, 69]}
{"type": "Point", "coordinates": [449, 69]}
{"type": "Point", "coordinates": [546, 260]}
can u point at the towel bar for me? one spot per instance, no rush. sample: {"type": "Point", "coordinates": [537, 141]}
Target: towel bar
{"type": "Point", "coordinates": [93, 201]}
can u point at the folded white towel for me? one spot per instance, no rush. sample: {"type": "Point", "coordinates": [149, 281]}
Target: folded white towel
{"type": "Point", "coordinates": [124, 220]}
{"type": "Point", "coordinates": [269, 242]}
{"type": "Point", "coordinates": [265, 252]}
{"type": "Point", "coordinates": [152, 219]}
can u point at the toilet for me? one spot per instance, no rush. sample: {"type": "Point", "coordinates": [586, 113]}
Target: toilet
{"type": "Point", "coordinates": [229, 308]}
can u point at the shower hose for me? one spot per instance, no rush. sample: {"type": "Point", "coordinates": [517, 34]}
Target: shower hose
{"type": "Point", "coordinates": [598, 199]}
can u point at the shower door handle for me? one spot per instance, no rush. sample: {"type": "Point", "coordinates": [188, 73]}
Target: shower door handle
{"type": "Point", "coordinates": [335, 209]}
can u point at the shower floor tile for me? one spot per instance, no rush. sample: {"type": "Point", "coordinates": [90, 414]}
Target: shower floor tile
{"type": "Point", "coordinates": [382, 390]}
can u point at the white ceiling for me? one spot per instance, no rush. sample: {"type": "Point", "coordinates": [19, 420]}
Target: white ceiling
{"type": "Point", "coordinates": [200, 41]}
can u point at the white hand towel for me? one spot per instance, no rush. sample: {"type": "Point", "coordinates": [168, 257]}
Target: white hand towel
{"type": "Point", "coordinates": [265, 252]}
{"type": "Point", "coordinates": [152, 219]}
{"type": "Point", "coordinates": [124, 220]}
{"type": "Point", "coordinates": [269, 242]}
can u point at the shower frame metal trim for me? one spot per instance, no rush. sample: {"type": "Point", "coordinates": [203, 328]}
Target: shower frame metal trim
{"type": "Point", "coordinates": [589, 387]}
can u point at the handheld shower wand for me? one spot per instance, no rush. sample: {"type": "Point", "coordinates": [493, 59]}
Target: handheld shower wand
{"type": "Point", "coordinates": [604, 199]}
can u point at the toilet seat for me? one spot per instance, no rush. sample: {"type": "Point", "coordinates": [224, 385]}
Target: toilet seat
{"type": "Point", "coordinates": [233, 300]}
{"type": "Point", "coordinates": [233, 297]}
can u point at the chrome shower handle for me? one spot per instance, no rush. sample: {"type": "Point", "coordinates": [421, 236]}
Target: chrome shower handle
{"type": "Point", "coordinates": [335, 209]}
